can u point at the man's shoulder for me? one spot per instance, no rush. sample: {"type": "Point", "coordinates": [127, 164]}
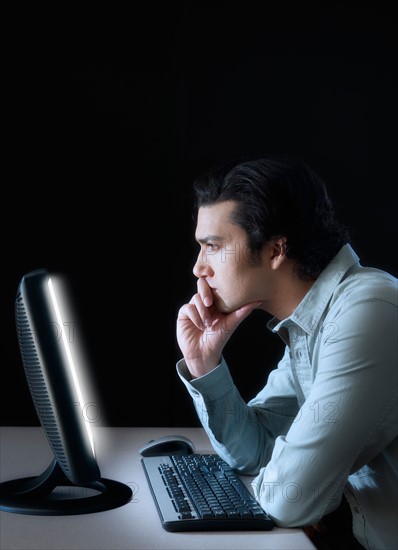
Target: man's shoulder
{"type": "Point", "coordinates": [363, 283]}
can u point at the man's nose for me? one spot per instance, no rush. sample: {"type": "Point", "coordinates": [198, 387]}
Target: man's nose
{"type": "Point", "coordinates": [201, 267]}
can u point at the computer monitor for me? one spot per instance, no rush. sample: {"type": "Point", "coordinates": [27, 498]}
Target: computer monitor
{"type": "Point", "coordinates": [56, 391]}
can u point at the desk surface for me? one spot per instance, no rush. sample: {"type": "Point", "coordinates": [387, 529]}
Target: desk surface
{"type": "Point", "coordinates": [136, 525]}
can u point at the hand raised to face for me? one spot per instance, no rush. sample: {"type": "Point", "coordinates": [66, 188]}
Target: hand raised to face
{"type": "Point", "coordinates": [203, 331]}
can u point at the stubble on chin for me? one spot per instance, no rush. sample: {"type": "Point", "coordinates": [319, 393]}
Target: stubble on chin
{"type": "Point", "coordinates": [219, 303]}
{"type": "Point", "coordinates": [222, 306]}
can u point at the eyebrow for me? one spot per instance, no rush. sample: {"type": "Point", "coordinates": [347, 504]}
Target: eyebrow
{"type": "Point", "coordinates": [208, 238]}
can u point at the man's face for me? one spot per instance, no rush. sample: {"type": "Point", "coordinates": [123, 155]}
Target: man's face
{"type": "Point", "coordinates": [224, 259]}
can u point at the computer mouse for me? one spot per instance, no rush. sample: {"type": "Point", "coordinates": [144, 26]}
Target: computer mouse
{"type": "Point", "coordinates": [168, 445]}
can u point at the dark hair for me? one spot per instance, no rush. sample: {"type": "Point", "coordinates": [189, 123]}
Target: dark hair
{"type": "Point", "coordinates": [278, 196]}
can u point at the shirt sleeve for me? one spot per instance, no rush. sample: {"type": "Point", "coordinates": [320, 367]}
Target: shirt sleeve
{"type": "Point", "coordinates": [243, 433]}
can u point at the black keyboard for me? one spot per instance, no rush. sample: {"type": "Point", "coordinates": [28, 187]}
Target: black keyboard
{"type": "Point", "coordinates": [200, 492]}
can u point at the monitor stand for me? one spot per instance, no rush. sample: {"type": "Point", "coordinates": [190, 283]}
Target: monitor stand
{"type": "Point", "coordinates": [52, 494]}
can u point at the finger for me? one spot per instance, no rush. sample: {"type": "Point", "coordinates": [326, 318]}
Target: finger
{"type": "Point", "coordinates": [204, 312]}
{"type": "Point", "coordinates": [205, 292]}
{"type": "Point", "coordinates": [190, 312]}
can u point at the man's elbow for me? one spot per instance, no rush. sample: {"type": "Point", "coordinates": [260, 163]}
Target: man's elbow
{"type": "Point", "coordinates": [291, 516]}
{"type": "Point", "coordinates": [292, 509]}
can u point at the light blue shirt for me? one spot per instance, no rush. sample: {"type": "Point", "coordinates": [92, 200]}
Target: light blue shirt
{"type": "Point", "coordinates": [326, 423]}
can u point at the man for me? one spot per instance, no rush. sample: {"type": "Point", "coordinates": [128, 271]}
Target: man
{"type": "Point", "coordinates": [323, 431]}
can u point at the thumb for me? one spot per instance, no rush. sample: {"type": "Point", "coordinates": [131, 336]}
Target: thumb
{"type": "Point", "coordinates": [236, 317]}
{"type": "Point", "coordinates": [245, 310]}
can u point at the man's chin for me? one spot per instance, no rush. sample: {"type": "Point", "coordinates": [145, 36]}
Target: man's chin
{"type": "Point", "coordinates": [228, 308]}
{"type": "Point", "coordinates": [223, 307]}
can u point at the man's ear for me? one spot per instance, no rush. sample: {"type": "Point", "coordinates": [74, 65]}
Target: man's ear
{"type": "Point", "coordinates": [277, 252]}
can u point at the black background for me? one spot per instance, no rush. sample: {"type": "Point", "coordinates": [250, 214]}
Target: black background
{"type": "Point", "coordinates": [110, 114]}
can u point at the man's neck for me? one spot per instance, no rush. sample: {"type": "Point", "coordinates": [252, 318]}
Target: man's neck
{"type": "Point", "coordinates": [288, 292]}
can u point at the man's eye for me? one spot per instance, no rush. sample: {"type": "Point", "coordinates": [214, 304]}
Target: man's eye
{"type": "Point", "coordinates": [210, 247]}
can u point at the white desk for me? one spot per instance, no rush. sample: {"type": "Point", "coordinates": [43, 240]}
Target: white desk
{"type": "Point", "coordinates": [136, 525]}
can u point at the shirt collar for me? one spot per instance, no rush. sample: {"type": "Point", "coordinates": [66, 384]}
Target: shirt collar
{"type": "Point", "coordinates": [310, 309]}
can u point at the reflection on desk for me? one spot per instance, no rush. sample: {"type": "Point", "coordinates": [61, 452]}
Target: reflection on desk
{"type": "Point", "coordinates": [136, 525]}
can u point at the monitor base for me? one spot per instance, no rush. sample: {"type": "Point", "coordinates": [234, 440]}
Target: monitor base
{"type": "Point", "coordinates": [52, 494]}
